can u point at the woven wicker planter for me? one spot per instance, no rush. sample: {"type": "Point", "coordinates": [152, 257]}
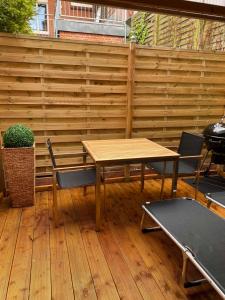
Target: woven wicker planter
{"type": "Point", "coordinates": [19, 171]}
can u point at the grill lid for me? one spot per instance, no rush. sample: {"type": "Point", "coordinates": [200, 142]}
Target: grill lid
{"type": "Point", "coordinates": [216, 130]}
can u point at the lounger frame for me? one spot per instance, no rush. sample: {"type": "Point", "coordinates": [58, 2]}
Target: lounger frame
{"type": "Point", "coordinates": [210, 200]}
{"type": "Point", "coordinates": [186, 253]}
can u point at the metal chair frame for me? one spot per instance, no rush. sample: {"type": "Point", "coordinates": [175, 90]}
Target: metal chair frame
{"type": "Point", "coordinates": [198, 158]}
{"type": "Point", "coordinates": [56, 169]}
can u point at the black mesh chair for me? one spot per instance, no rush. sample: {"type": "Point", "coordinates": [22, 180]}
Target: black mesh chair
{"type": "Point", "coordinates": [70, 177]}
{"type": "Point", "coordinates": [190, 149]}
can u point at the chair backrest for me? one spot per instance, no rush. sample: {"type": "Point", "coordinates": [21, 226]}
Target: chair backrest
{"type": "Point", "coordinates": [190, 145]}
{"type": "Point", "coordinates": [49, 145]}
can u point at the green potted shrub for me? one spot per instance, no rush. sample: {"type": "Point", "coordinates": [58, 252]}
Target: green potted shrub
{"type": "Point", "coordinates": [19, 165]}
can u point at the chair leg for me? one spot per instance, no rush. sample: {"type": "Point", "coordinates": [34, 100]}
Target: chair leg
{"type": "Point", "coordinates": [185, 282]}
{"type": "Point", "coordinates": [162, 187]}
{"type": "Point", "coordinates": [197, 178]}
{"type": "Point", "coordinates": [84, 191]}
{"type": "Point", "coordinates": [84, 163]}
{"type": "Point", "coordinates": [197, 184]}
{"type": "Point", "coordinates": [184, 268]}
{"type": "Point", "coordinates": [209, 203]}
{"type": "Point", "coordinates": [55, 204]}
{"type": "Point", "coordinates": [142, 177]}
{"type": "Point", "coordinates": [163, 181]}
{"type": "Point", "coordinates": [104, 198]}
{"type": "Point", "coordinates": [104, 188]}
{"type": "Point", "coordinates": [104, 191]}
{"type": "Point", "coordinates": [142, 220]}
{"type": "Point", "coordinates": [201, 164]}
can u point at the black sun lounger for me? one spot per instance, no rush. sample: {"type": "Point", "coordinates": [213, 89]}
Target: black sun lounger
{"type": "Point", "coordinates": [217, 198]}
{"type": "Point", "coordinates": [198, 232]}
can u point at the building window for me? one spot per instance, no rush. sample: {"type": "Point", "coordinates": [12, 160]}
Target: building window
{"type": "Point", "coordinates": [39, 23]}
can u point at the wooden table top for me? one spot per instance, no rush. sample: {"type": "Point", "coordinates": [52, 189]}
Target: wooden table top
{"type": "Point", "coordinates": [119, 150]}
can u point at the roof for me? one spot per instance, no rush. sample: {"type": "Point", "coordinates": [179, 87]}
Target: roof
{"type": "Point", "coordinates": [196, 8]}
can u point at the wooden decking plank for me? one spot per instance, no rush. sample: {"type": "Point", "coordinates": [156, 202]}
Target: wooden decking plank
{"type": "Point", "coordinates": [158, 269]}
{"type": "Point", "coordinates": [140, 272]}
{"type": "Point", "coordinates": [103, 281]}
{"type": "Point", "coordinates": [126, 286]}
{"type": "Point", "coordinates": [19, 283]}
{"type": "Point", "coordinates": [7, 248]}
{"type": "Point", "coordinates": [163, 251]}
{"type": "Point", "coordinates": [122, 276]}
{"type": "Point", "coordinates": [162, 245]}
{"type": "Point", "coordinates": [61, 280]}
{"type": "Point", "coordinates": [40, 287]}
{"type": "Point", "coordinates": [147, 285]}
{"type": "Point", "coordinates": [3, 215]}
{"type": "Point", "coordinates": [107, 267]}
{"type": "Point", "coordinates": [81, 275]}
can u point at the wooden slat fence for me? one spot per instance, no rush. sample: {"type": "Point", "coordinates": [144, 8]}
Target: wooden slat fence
{"type": "Point", "coordinates": [176, 90]}
{"type": "Point", "coordinates": [73, 91]}
{"type": "Point", "coordinates": [182, 32]}
{"type": "Point", "coordinates": [63, 90]}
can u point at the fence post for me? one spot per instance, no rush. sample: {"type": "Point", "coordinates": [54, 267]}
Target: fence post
{"type": "Point", "coordinates": [130, 88]}
{"type": "Point", "coordinates": [130, 94]}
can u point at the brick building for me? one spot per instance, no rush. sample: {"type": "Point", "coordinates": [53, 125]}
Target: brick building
{"type": "Point", "coordinates": [80, 21]}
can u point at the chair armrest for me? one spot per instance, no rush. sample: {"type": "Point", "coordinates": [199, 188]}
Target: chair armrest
{"type": "Point", "coordinates": [171, 147]}
{"type": "Point", "coordinates": [78, 154]}
{"type": "Point", "coordinates": [191, 157]}
{"type": "Point", "coordinates": [73, 168]}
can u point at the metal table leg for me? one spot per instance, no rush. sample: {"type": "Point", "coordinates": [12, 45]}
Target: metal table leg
{"type": "Point", "coordinates": [98, 197]}
{"type": "Point", "coordinates": [174, 180]}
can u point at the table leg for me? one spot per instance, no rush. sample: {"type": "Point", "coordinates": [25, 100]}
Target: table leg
{"type": "Point", "coordinates": [163, 180]}
{"type": "Point", "coordinates": [84, 163]}
{"type": "Point", "coordinates": [98, 197]}
{"type": "Point", "coordinates": [174, 180]}
{"type": "Point", "coordinates": [126, 173]}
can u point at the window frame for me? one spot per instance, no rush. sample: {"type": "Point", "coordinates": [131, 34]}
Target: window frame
{"type": "Point", "coordinates": [43, 32]}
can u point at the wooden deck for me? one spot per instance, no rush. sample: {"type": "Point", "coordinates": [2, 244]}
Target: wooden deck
{"type": "Point", "coordinates": [38, 261]}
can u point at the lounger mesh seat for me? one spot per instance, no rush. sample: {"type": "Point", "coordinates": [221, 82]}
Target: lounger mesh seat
{"type": "Point", "coordinates": [208, 184]}
{"type": "Point", "coordinates": [190, 145]}
{"type": "Point", "coordinates": [76, 179]}
{"type": "Point", "coordinates": [194, 229]}
{"type": "Point", "coordinates": [190, 148]}
{"type": "Point", "coordinates": [183, 168]}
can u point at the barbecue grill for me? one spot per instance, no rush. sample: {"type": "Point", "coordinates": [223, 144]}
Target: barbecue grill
{"type": "Point", "coordinates": [215, 141]}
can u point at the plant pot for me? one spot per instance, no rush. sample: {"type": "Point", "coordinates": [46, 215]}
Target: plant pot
{"type": "Point", "coordinates": [19, 172]}
{"type": "Point", "coordinates": [2, 181]}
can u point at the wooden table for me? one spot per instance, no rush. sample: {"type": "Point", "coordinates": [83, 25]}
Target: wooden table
{"type": "Point", "coordinates": [126, 151]}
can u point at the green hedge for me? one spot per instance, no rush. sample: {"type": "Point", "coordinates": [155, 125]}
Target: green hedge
{"type": "Point", "coordinates": [18, 136]}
